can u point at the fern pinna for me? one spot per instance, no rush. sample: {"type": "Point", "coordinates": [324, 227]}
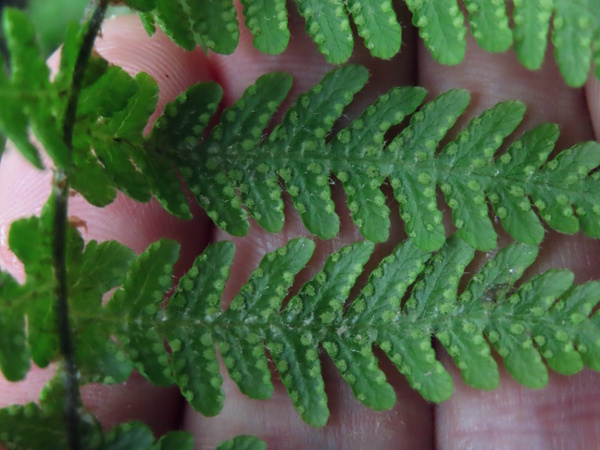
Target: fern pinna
{"type": "Point", "coordinates": [412, 295]}
{"type": "Point", "coordinates": [441, 25]}
{"type": "Point", "coordinates": [237, 165]}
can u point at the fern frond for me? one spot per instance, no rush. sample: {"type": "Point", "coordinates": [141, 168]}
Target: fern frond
{"type": "Point", "coordinates": [523, 324]}
{"type": "Point", "coordinates": [237, 165]}
{"type": "Point", "coordinates": [110, 152]}
{"type": "Point", "coordinates": [29, 239]}
{"type": "Point", "coordinates": [411, 296]}
{"type": "Point", "coordinates": [138, 302]}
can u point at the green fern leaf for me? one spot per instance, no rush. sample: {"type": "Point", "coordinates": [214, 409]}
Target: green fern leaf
{"type": "Point", "coordinates": [175, 440]}
{"type": "Point", "coordinates": [489, 24]}
{"type": "Point", "coordinates": [532, 21]}
{"type": "Point", "coordinates": [14, 353]}
{"type": "Point", "coordinates": [30, 240]}
{"type": "Point", "coordinates": [328, 25]}
{"type": "Point", "coordinates": [242, 442]}
{"type": "Point", "coordinates": [303, 130]}
{"type": "Point", "coordinates": [237, 166]}
{"type": "Point", "coordinates": [377, 24]}
{"type": "Point", "coordinates": [441, 26]}
{"type": "Point", "coordinates": [319, 305]}
{"type": "Point", "coordinates": [576, 28]}
{"type": "Point", "coordinates": [138, 302]}
{"type": "Point", "coordinates": [198, 356]}
{"type": "Point", "coordinates": [490, 306]}
{"type": "Point", "coordinates": [138, 436]}
{"type": "Point", "coordinates": [114, 110]}
{"type": "Point", "coordinates": [214, 25]}
{"type": "Point", "coordinates": [270, 30]}
{"type": "Point", "coordinates": [92, 271]}
{"type": "Point", "coordinates": [412, 296]}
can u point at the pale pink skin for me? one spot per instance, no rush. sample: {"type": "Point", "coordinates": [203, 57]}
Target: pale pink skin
{"type": "Point", "coordinates": [564, 415]}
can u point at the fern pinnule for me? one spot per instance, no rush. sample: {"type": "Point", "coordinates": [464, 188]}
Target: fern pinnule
{"type": "Point", "coordinates": [138, 303]}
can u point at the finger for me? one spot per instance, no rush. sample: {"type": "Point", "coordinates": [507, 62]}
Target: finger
{"type": "Point", "coordinates": [125, 43]}
{"type": "Point", "coordinates": [351, 425]}
{"type": "Point", "coordinates": [512, 416]}
{"type": "Point", "coordinates": [592, 91]}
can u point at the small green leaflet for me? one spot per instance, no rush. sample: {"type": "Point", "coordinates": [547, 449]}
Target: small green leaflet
{"type": "Point", "coordinates": [138, 302]}
{"type": "Point", "coordinates": [236, 169]}
{"type": "Point", "coordinates": [270, 31]}
{"type": "Point", "coordinates": [441, 26]}
{"type": "Point", "coordinates": [29, 239]}
{"type": "Point", "coordinates": [214, 25]}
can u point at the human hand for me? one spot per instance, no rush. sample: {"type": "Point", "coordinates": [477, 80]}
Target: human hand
{"type": "Point", "coordinates": [563, 415]}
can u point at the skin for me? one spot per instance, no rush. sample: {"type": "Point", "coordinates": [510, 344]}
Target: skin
{"type": "Point", "coordinates": [564, 415]}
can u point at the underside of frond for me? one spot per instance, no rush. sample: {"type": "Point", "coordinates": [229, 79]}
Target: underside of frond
{"type": "Point", "coordinates": [412, 296]}
{"type": "Point", "coordinates": [237, 169]}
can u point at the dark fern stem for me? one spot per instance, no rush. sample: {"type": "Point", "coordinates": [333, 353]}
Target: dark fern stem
{"type": "Point", "coordinates": [60, 191]}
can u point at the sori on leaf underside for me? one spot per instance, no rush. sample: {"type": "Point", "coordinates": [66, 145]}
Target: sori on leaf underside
{"type": "Point", "coordinates": [410, 296]}
{"type": "Point", "coordinates": [441, 24]}
{"type": "Point", "coordinates": [236, 168]}
{"type": "Point", "coordinates": [420, 290]}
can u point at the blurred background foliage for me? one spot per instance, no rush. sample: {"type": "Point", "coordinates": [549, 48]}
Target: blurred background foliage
{"type": "Point", "coordinates": [50, 19]}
